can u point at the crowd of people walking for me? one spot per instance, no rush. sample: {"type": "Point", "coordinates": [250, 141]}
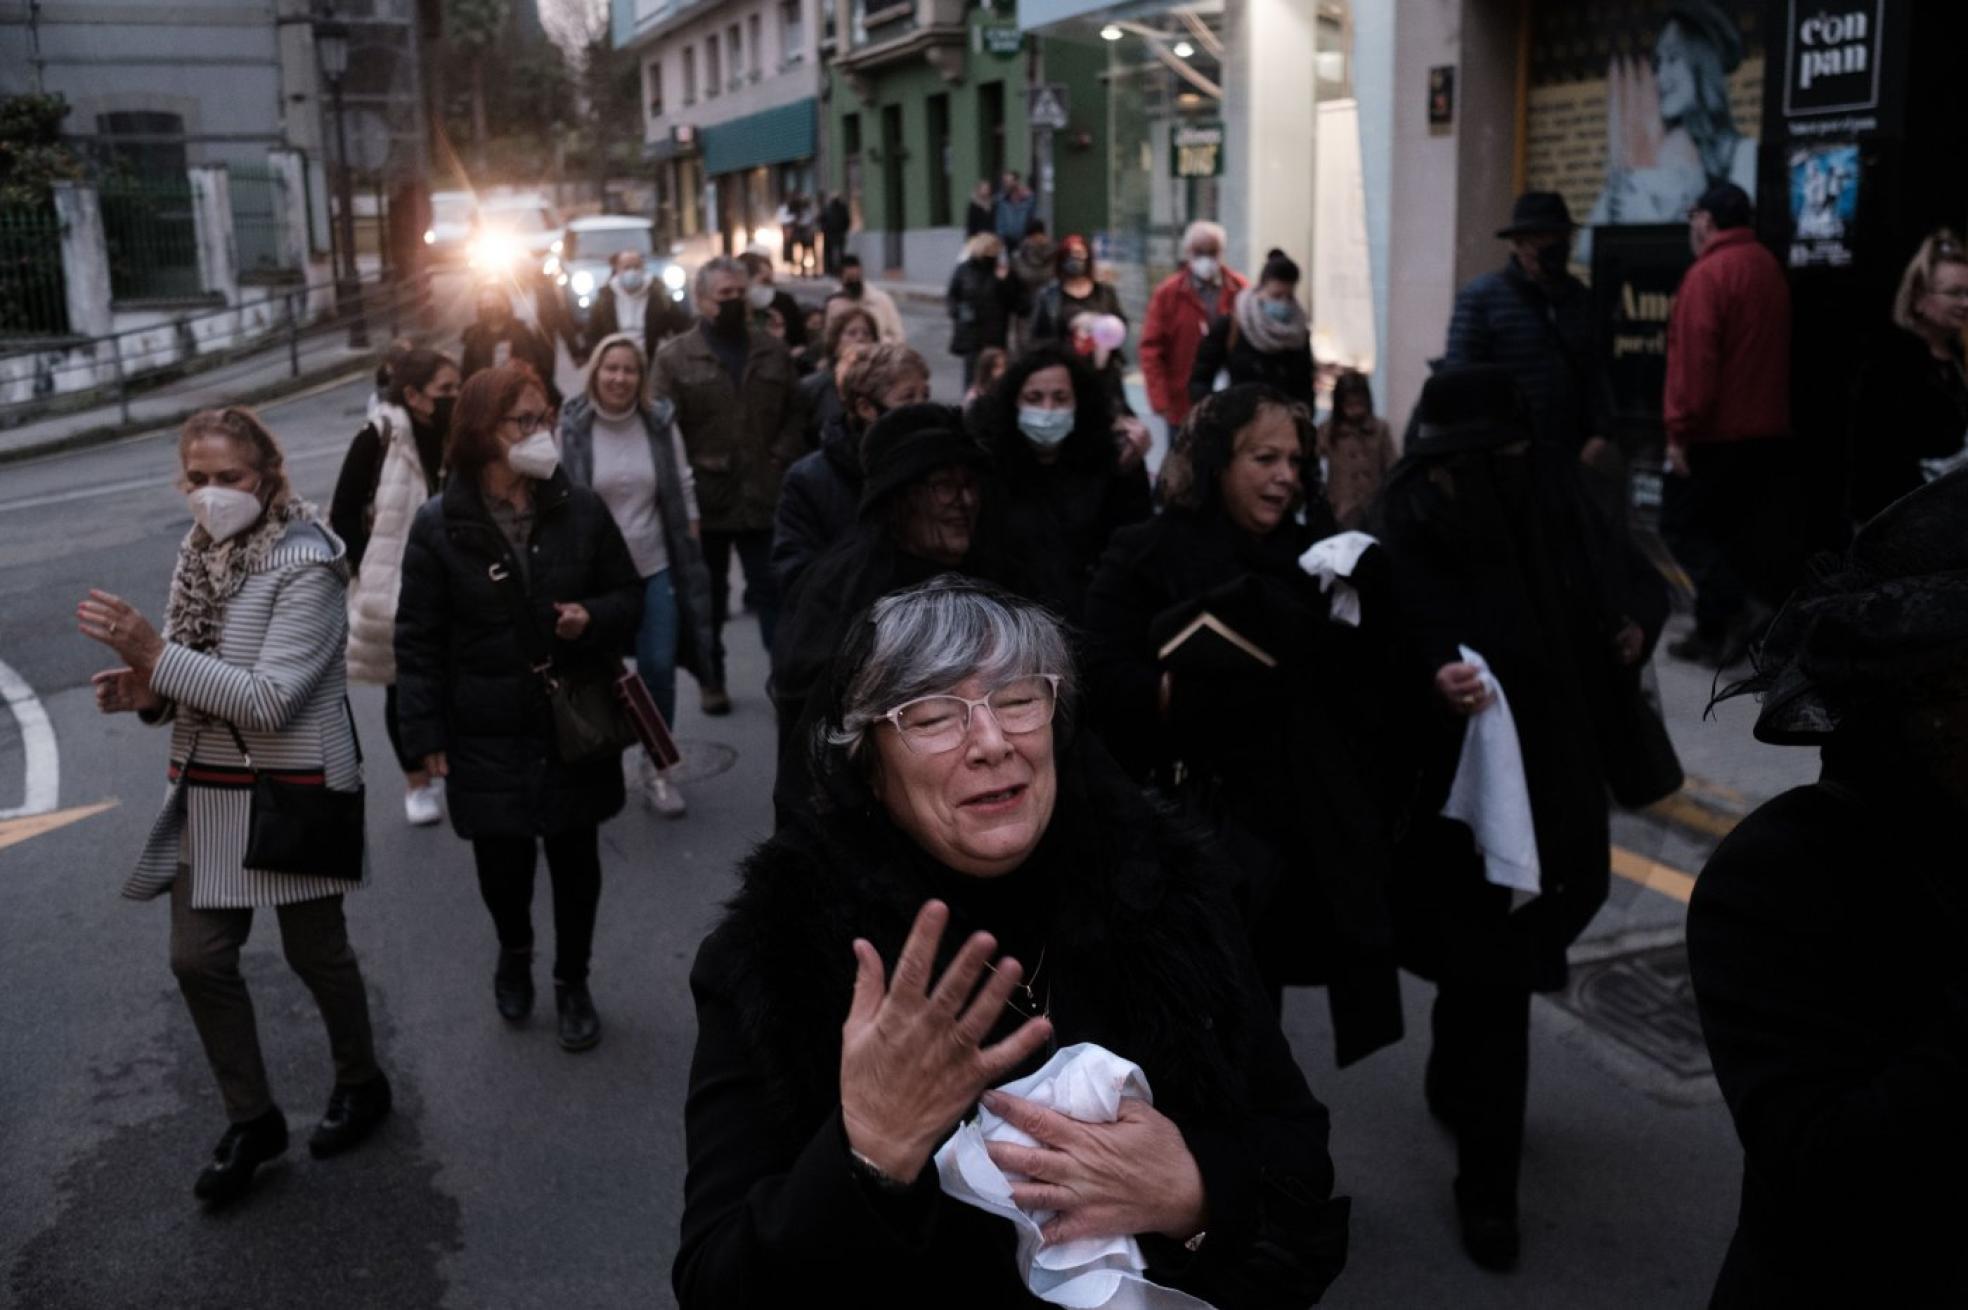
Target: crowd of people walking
{"type": "Point", "coordinates": [1081, 765]}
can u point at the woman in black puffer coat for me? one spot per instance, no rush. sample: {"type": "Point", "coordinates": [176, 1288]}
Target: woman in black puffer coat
{"type": "Point", "coordinates": [469, 701]}
{"type": "Point", "coordinates": [982, 299]}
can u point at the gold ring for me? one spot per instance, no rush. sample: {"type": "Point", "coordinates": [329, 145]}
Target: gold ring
{"type": "Point", "coordinates": [1469, 702]}
{"type": "Point", "coordinates": [112, 629]}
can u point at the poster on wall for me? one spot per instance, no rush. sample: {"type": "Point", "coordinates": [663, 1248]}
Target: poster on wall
{"type": "Point", "coordinates": [1636, 273]}
{"type": "Point", "coordinates": [1824, 203]}
{"type": "Point", "coordinates": [1636, 107]}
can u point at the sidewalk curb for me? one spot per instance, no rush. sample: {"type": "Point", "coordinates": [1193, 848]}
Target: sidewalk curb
{"type": "Point", "coordinates": [101, 435]}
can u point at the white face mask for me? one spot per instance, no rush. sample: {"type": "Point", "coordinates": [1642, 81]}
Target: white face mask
{"type": "Point", "coordinates": [1045, 427]}
{"type": "Point", "coordinates": [224, 512]}
{"type": "Point", "coordinates": [1204, 268]}
{"type": "Point", "coordinates": [632, 281]}
{"type": "Point", "coordinates": [535, 456]}
{"type": "Point", "coordinates": [761, 296]}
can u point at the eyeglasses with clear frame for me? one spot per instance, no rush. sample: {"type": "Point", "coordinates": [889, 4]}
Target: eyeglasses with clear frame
{"type": "Point", "coordinates": [933, 725]}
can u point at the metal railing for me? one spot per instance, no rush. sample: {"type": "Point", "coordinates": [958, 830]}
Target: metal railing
{"type": "Point", "coordinates": [117, 368]}
{"type": "Point", "coordinates": [33, 302]}
{"type": "Point", "coordinates": [259, 202]}
{"type": "Point", "coordinates": [152, 235]}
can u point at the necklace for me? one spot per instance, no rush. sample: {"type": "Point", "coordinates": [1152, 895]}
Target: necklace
{"type": "Point", "coordinates": [1037, 1011]}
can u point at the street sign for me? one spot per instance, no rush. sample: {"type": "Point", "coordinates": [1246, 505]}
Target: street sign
{"type": "Point", "coordinates": [1045, 105]}
{"type": "Point", "coordinates": [1002, 39]}
{"type": "Point", "coordinates": [1196, 149]}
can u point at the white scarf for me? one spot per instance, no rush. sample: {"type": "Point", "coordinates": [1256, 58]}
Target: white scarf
{"type": "Point", "coordinates": [630, 309]}
{"type": "Point", "coordinates": [1262, 331]}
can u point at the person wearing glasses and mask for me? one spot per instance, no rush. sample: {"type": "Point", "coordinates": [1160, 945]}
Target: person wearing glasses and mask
{"type": "Point", "coordinates": [248, 672]}
{"type": "Point", "coordinates": [511, 540]}
{"type": "Point", "coordinates": [1062, 486]}
{"type": "Point", "coordinates": [391, 468]}
{"type": "Point", "coordinates": [1265, 337]}
{"type": "Point", "coordinates": [1911, 408]}
{"type": "Point", "coordinates": [978, 891]}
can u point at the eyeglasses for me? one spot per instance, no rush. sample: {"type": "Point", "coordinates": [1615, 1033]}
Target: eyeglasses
{"type": "Point", "coordinates": [527, 424]}
{"type": "Point", "coordinates": [933, 725]}
{"type": "Point", "coordinates": [950, 490]}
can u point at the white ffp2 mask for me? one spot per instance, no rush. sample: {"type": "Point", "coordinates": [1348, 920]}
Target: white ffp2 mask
{"type": "Point", "coordinates": [224, 512]}
{"type": "Point", "coordinates": [535, 456]}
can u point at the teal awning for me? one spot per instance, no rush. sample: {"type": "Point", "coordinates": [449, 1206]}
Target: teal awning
{"type": "Point", "coordinates": [771, 136]}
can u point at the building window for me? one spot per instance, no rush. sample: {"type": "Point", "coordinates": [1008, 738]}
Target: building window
{"type": "Point", "coordinates": [734, 41]}
{"type": "Point", "coordinates": [939, 159]}
{"type": "Point", "coordinates": [713, 68]}
{"type": "Point", "coordinates": [991, 129]}
{"type": "Point", "coordinates": [652, 79]}
{"type": "Point", "coordinates": [756, 31]}
{"type": "Point", "coordinates": [851, 164]}
{"type": "Point", "coordinates": [690, 75]}
{"type": "Point", "coordinates": [792, 32]}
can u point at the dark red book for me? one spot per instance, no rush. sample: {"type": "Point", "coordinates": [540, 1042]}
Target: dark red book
{"type": "Point", "coordinates": [648, 720]}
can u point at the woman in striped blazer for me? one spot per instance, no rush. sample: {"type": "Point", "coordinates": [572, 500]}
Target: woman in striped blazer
{"type": "Point", "coordinates": [249, 674]}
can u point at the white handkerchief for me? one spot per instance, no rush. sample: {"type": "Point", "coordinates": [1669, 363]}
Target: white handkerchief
{"type": "Point", "coordinates": [1332, 560]}
{"type": "Point", "coordinates": [1085, 1082]}
{"type": "Point", "coordinates": [1490, 793]}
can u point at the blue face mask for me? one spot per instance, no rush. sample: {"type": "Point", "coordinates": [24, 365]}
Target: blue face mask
{"type": "Point", "coordinates": [1045, 427]}
{"type": "Point", "coordinates": [1278, 311]}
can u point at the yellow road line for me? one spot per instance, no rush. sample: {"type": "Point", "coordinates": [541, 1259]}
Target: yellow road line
{"type": "Point", "coordinates": [13, 831]}
{"type": "Point", "coordinates": [1652, 874]}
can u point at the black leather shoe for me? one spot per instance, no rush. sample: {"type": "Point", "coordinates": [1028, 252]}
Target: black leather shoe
{"type": "Point", "coordinates": [580, 1026]}
{"type": "Point", "coordinates": [353, 1113]}
{"type": "Point", "coordinates": [244, 1148]}
{"type": "Point", "coordinates": [512, 985]}
{"type": "Point", "coordinates": [1489, 1233]}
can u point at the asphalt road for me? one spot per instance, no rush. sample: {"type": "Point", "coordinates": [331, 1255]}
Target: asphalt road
{"type": "Point", "coordinates": [513, 1174]}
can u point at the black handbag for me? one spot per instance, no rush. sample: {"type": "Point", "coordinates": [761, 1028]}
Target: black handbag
{"type": "Point", "coordinates": [1641, 766]}
{"type": "Point", "coordinates": [298, 824]}
{"type": "Point", "coordinates": [589, 720]}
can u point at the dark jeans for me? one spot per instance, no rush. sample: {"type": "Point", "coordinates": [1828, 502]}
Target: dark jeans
{"type": "Point", "coordinates": [1478, 1073]}
{"type": "Point", "coordinates": [1745, 513]}
{"type": "Point", "coordinates": [505, 880]}
{"type": "Point", "coordinates": [205, 957]}
{"type": "Point", "coordinates": [761, 592]}
{"type": "Point", "coordinates": [408, 763]}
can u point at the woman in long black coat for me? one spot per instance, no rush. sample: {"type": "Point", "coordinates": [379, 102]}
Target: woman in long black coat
{"type": "Point", "coordinates": [1264, 338]}
{"type": "Point", "coordinates": [982, 299]}
{"type": "Point", "coordinates": [1825, 935]}
{"type": "Point", "coordinates": [1292, 764]}
{"type": "Point", "coordinates": [1059, 487]}
{"type": "Point", "coordinates": [510, 532]}
{"type": "Point", "coordinates": [1496, 547]}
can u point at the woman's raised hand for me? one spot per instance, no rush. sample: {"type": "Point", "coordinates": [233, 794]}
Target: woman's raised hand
{"type": "Point", "coordinates": [120, 691]}
{"type": "Point", "coordinates": [117, 624]}
{"type": "Point", "coordinates": [1135, 1175]}
{"type": "Point", "coordinates": [912, 1055]}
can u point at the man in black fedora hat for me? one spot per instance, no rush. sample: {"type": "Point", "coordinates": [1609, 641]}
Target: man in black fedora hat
{"type": "Point", "coordinates": [1534, 319]}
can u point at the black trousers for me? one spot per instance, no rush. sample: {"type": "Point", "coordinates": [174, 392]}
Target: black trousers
{"type": "Point", "coordinates": [1745, 504]}
{"type": "Point", "coordinates": [505, 880]}
{"type": "Point", "coordinates": [1478, 1074]}
{"type": "Point", "coordinates": [761, 592]}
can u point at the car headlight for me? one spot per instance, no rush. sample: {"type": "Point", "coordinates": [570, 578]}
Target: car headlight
{"type": "Point", "coordinates": [494, 251]}
{"type": "Point", "coordinates": [558, 246]}
{"type": "Point", "coordinates": [674, 277]}
{"type": "Point", "coordinates": [552, 267]}
{"type": "Point", "coordinates": [584, 283]}
{"type": "Point", "coordinates": [430, 236]}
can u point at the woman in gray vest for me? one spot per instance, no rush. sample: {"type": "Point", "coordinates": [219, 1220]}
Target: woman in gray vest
{"type": "Point", "coordinates": [617, 439]}
{"type": "Point", "coordinates": [249, 674]}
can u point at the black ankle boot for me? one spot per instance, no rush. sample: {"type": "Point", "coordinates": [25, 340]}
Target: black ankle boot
{"type": "Point", "coordinates": [1489, 1229]}
{"type": "Point", "coordinates": [580, 1026]}
{"type": "Point", "coordinates": [244, 1148]}
{"type": "Point", "coordinates": [512, 984]}
{"type": "Point", "coordinates": [353, 1113]}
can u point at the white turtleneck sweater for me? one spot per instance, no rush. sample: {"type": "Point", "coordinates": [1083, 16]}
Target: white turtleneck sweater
{"type": "Point", "coordinates": [625, 479]}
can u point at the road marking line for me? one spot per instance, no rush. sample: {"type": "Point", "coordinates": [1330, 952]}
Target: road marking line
{"type": "Point", "coordinates": [1652, 874]}
{"type": "Point", "coordinates": [14, 831]}
{"type": "Point", "coordinates": [42, 791]}
{"type": "Point", "coordinates": [141, 484]}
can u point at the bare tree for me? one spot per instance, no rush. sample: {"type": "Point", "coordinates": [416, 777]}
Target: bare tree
{"type": "Point", "coordinates": [580, 28]}
{"type": "Point", "coordinates": [474, 26]}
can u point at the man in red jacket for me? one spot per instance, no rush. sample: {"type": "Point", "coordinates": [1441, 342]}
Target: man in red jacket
{"type": "Point", "coordinates": [1179, 316]}
{"type": "Point", "coordinates": [1731, 460]}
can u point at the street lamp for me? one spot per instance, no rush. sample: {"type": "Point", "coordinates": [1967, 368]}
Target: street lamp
{"type": "Point", "coordinates": [331, 44]}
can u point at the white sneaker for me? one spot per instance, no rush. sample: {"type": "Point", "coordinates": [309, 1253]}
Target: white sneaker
{"type": "Point", "coordinates": [424, 805]}
{"type": "Point", "coordinates": [662, 797]}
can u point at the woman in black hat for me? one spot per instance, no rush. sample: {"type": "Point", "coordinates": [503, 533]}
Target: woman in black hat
{"type": "Point", "coordinates": [920, 500]}
{"type": "Point", "coordinates": [1826, 934]}
{"type": "Point", "coordinates": [1499, 551]}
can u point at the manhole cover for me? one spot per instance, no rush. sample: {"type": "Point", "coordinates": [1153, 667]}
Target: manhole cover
{"type": "Point", "coordinates": [1645, 1001]}
{"type": "Point", "coordinates": [701, 760]}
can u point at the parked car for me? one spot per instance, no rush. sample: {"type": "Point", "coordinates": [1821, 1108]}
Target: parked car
{"type": "Point", "coordinates": [581, 265]}
{"type": "Point", "coordinates": [514, 230]}
{"type": "Point", "coordinates": [453, 214]}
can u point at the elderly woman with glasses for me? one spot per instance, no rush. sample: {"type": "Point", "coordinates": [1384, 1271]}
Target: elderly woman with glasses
{"type": "Point", "coordinates": [979, 888]}
{"type": "Point", "coordinates": [514, 576]}
{"type": "Point", "coordinates": [1911, 407]}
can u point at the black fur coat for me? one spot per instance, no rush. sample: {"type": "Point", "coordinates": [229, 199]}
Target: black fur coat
{"type": "Point", "coordinates": [1143, 955]}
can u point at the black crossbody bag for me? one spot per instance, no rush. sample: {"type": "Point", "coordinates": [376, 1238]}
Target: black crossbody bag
{"type": "Point", "coordinates": [589, 720]}
{"type": "Point", "coordinates": [303, 826]}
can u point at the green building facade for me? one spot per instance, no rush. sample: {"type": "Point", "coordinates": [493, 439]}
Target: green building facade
{"type": "Point", "coordinates": [919, 110]}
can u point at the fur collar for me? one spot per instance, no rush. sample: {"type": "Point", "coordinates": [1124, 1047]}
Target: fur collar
{"type": "Point", "coordinates": [1143, 949]}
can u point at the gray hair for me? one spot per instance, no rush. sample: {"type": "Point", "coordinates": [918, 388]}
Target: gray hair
{"type": "Point", "coordinates": [1204, 228]}
{"type": "Point", "coordinates": [929, 638]}
{"type": "Point", "coordinates": [711, 268]}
